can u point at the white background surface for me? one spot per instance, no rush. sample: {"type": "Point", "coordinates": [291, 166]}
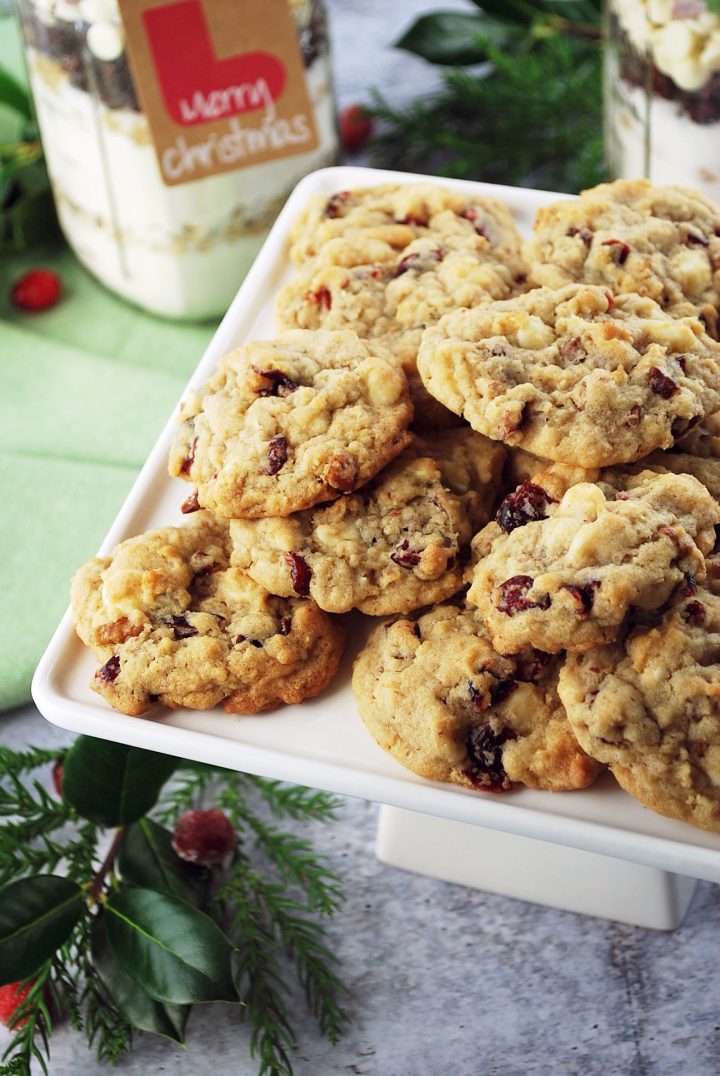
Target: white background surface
{"type": "Point", "coordinates": [445, 979]}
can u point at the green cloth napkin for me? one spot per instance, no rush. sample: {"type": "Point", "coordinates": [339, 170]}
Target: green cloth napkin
{"type": "Point", "coordinates": [85, 388]}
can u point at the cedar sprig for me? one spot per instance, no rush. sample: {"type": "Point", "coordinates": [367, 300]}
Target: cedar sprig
{"type": "Point", "coordinates": [295, 801]}
{"type": "Point", "coordinates": [106, 1029]}
{"type": "Point", "coordinates": [15, 763]}
{"type": "Point", "coordinates": [262, 985]}
{"type": "Point", "coordinates": [314, 961]}
{"type": "Point", "coordinates": [293, 857]}
{"type": "Point", "coordinates": [272, 905]}
{"type": "Point", "coordinates": [31, 1025]}
{"type": "Point", "coordinates": [532, 117]}
{"type": "Point", "coordinates": [188, 790]}
{"type": "Point", "coordinates": [272, 920]}
{"type": "Point", "coordinates": [32, 814]}
{"type": "Point", "coordinates": [90, 1008]}
{"type": "Point", "coordinates": [297, 863]}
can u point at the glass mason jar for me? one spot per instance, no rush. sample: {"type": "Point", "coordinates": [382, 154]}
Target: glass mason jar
{"type": "Point", "coordinates": [662, 92]}
{"type": "Point", "coordinates": [179, 249]}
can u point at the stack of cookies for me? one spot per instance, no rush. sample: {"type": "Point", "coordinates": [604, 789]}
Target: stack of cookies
{"type": "Point", "coordinates": [511, 452]}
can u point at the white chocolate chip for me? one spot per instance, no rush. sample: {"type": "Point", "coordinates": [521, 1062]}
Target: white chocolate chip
{"type": "Point", "coordinates": [535, 334]}
{"type": "Point", "coordinates": [106, 40]}
{"type": "Point", "coordinates": [99, 10]}
{"type": "Point", "coordinates": [66, 11]}
{"type": "Point", "coordinates": [384, 386]}
{"type": "Point", "coordinates": [660, 11]}
{"type": "Point", "coordinates": [692, 271]}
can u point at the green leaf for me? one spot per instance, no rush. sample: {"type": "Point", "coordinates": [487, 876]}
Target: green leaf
{"type": "Point", "coordinates": [517, 11]}
{"type": "Point", "coordinates": [451, 37]}
{"type": "Point", "coordinates": [575, 11]}
{"type": "Point", "coordinates": [148, 859]}
{"type": "Point", "coordinates": [713, 5]}
{"type": "Point", "coordinates": [37, 916]}
{"type": "Point", "coordinates": [141, 1011]}
{"type": "Point", "coordinates": [174, 951]}
{"type": "Point", "coordinates": [526, 12]}
{"type": "Point", "coordinates": [14, 95]}
{"type": "Point", "coordinates": [112, 784]}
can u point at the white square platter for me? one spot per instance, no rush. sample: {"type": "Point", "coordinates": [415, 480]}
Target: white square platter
{"type": "Point", "coordinates": [323, 743]}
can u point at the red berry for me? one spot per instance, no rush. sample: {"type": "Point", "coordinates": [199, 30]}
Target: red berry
{"type": "Point", "coordinates": [57, 776]}
{"type": "Point", "coordinates": [355, 127]}
{"type": "Point", "coordinates": [38, 289]}
{"type": "Point", "coordinates": [204, 836]}
{"type": "Point", "coordinates": [12, 996]}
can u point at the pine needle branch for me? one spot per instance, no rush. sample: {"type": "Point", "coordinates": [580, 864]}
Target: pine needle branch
{"type": "Point", "coordinates": [33, 814]}
{"type": "Point", "coordinates": [303, 940]}
{"type": "Point", "coordinates": [533, 119]}
{"type": "Point", "coordinates": [31, 1025]}
{"type": "Point", "coordinates": [272, 909]}
{"type": "Point", "coordinates": [187, 791]}
{"type": "Point", "coordinates": [15, 763]}
{"type": "Point", "coordinates": [258, 975]}
{"type": "Point", "coordinates": [93, 1010]}
{"type": "Point", "coordinates": [299, 864]}
{"type": "Point", "coordinates": [294, 801]}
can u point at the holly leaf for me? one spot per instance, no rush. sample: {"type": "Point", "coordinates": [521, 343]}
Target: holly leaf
{"type": "Point", "coordinates": [174, 951]}
{"type": "Point", "coordinates": [37, 916]}
{"type": "Point", "coordinates": [148, 859]}
{"type": "Point", "coordinates": [519, 11]}
{"type": "Point", "coordinates": [576, 11]}
{"type": "Point", "coordinates": [453, 38]}
{"type": "Point", "coordinates": [526, 12]}
{"type": "Point", "coordinates": [141, 1011]}
{"type": "Point", "coordinates": [112, 784]}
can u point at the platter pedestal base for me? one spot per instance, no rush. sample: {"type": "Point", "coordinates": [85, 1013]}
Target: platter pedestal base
{"type": "Point", "coordinates": [533, 870]}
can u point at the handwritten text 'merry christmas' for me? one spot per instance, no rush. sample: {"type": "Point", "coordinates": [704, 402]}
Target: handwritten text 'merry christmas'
{"type": "Point", "coordinates": [239, 142]}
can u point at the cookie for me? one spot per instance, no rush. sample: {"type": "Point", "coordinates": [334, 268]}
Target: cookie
{"type": "Point", "coordinates": [659, 242]}
{"type": "Point", "coordinates": [703, 439]}
{"type": "Point", "coordinates": [706, 470]}
{"type": "Point", "coordinates": [388, 548]}
{"type": "Point", "coordinates": [284, 424]}
{"type": "Point", "coordinates": [172, 623]}
{"type": "Point", "coordinates": [521, 466]}
{"type": "Point", "coordinates": [649, 707]}
{"type": "Point", "coordinates": [563, 575]}
{"type": "Point", "coordinates": [471, 467]}
{"type": "Point", "coordinates": [434, 693]}
{"type": "Point", "coordinates": [394, 297]}
{"type": "Point", "coordinates": [573, 375]}
{"type": "Point", "coordinates": [395, 215]}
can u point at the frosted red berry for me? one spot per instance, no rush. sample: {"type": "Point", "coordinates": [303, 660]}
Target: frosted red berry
{"type": "Point", "coordinates": [355, 127]}
{"type": "Point", "coordinates": [11, 997]}
{"type": "Point", "coordinates": [36, 290]}
{"type": "Point", "coordinates": [58, 771]}
{"type": "Point", "coordinates": [204, 837]}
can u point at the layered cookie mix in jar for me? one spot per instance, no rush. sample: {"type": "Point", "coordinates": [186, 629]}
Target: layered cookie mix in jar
{"type": "Point", "coordinates": [173, 132]}
{"type": "Point", "coordinates": [662, 92]}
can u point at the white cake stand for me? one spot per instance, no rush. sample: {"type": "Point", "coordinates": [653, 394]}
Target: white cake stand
{"type": "Point", "coordinates": [597, 852]}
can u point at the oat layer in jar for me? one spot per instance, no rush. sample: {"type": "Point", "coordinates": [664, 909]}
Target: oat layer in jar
{"type": "Point", "coordinates": [662, 92]}
{"type": "Point", "coordinates": [174, 131]}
